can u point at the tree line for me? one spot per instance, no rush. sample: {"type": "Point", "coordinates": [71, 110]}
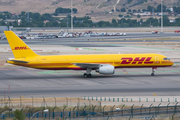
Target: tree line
{"type": "Point", "coordinates": [37, 20]}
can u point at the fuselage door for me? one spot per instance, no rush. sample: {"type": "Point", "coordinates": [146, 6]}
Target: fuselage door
{"type": "Point", "coordinates": [157, 59]}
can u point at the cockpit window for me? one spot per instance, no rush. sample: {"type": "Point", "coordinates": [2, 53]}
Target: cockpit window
{"type": "Point", "coordinates": [166, 59]}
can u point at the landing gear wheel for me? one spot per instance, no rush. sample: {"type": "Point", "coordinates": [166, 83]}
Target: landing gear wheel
{"type": "Point", "coordinates": [153, 71]}
{"type": "Point", "coordinates": [152, 74]}
{"type": "Point", "coordinates": [89, 75]}
{"type": "Point", "coordinates": [85, 75]}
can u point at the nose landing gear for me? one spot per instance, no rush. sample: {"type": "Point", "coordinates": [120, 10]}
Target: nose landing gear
{"type": "Point", "coordinates": [153, 71]}
{"type": "Point", "coordinates": [152, 74]}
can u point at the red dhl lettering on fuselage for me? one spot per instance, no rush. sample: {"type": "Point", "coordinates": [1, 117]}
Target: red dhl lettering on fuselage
{"type": "Point", "coordinates": [20, 48]}
{"type": "Point", "coordinates": [137, 60]}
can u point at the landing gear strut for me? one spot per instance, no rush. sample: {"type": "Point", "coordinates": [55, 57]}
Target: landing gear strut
{"type": "Point", "coordinates": [88, 73]}
{"type": "Point", "coordinates": [153, 71]}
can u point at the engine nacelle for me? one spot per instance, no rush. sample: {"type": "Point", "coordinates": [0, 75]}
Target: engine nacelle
{"type": "Point", "coordinates": [106, 69]}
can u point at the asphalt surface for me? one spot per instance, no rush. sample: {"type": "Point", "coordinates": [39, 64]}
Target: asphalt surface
{"type": "Point", "coordinates": [133, 82]}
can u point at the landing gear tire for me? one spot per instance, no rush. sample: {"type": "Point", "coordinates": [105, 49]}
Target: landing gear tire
{"type": "Point", "coordinates": [153, 71]}
{"type": "Point", "coordinates": [87, 75]}
{"type": "Point", "coordinates": [152, 74]}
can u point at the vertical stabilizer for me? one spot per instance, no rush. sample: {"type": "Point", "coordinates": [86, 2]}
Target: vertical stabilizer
{"type": "Point", "coordinates": [18, 47]}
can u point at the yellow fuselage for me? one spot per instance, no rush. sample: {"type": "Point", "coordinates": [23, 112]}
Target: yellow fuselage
{"type": "Point", "coordinates": [63, 62]}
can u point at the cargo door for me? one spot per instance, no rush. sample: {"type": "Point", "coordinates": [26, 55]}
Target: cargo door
{"type": "Point", "coordinates": [157, 60]}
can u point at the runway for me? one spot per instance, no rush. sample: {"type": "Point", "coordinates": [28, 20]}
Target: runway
{"type": "Point", "coordinates": [133, 82]}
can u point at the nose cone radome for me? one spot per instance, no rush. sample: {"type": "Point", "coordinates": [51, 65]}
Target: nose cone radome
{"type": "Point", "coordinates": [171, 63]}
{"type": "Point", "coordinates": [167, 63]}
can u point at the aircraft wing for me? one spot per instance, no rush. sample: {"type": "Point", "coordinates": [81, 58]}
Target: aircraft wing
{"type": "Point", "coordinates": [87, 65]}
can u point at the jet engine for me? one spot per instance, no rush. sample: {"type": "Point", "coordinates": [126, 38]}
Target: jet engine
{"type": "Point", "coordinates": [106, 69]}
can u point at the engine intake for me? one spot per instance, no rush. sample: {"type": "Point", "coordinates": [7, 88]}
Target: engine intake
{"type": "Point", "coordinates": [106, 69]}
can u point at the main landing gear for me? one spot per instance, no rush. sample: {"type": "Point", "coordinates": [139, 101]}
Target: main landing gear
{"type": "Point", "coordinates": [88, 73]}
{"type": "Point", "coordinates": [153, 71]}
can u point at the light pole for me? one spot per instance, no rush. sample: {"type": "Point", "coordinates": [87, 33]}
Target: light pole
{"type": "Point", "coordinates": [37, 112]}
{"type": "Point", "coordinates": [71, 18]}
{"type": "Point", "coordinates": [67, 23]}
{"type": "Point", "coordinates": [161, 17]}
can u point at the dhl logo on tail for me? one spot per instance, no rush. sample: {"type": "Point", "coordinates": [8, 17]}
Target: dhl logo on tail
{"type": "Point", "coordinates": [137, 60]}
{"type": "Point", "coordinates": [21, 48]}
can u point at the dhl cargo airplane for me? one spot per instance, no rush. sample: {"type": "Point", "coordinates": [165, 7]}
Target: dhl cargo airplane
{"type": "Point", "coordinates": [101, 63]}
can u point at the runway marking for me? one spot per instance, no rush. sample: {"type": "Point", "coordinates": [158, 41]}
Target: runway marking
{"type": "Point", "coordinates": [154, 94]}
{"type": "Point", "coordinates": [114, 45]}
{"type": "Point", "coordinates": [95, 49]}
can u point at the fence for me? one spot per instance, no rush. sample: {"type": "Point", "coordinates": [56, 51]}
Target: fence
{"type": "Point", "coordinates": [21, 101]}
{"type": "Point", "coordinates": [80, 107]}
{"type": "Point", "coordinates": [41, 102]}
{"type": "Point", "coordinates": [91, 110]}
{"type": "Point", "coordinates": [135, 99]}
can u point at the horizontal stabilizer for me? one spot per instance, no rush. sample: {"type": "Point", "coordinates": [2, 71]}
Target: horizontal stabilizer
{"type": "Point", "coordinates": [19, 61]}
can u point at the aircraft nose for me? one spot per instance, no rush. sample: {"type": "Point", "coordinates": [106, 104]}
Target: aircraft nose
{"type": "Point", "coordinates": [168, 62]}
{"type": "Point", "coordinates": [171, 62]}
